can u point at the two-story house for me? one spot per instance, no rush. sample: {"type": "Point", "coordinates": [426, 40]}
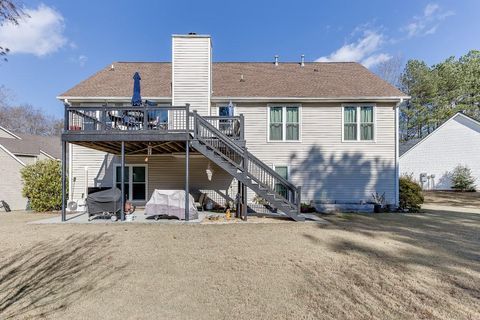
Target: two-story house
{"type": "Point", "coordinates": [291, 133]}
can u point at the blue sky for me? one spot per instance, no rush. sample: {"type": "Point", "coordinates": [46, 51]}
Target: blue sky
{"type": "Point", "coordinates": [64, 41]}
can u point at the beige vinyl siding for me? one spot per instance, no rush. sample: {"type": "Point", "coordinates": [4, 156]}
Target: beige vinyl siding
{"type": "Point", "coordinates": [328, 169]}
{"type": "Point", "coordinates": [191, 74]}
{"type": "Point", "coordinates": [11, 182]}
{"type": "Point", "coordinates": [100, 170]}
{"type": "Point", "coordinates": [164, 172]}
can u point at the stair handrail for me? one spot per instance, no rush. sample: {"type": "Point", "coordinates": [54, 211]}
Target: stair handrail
{"type": "Point", "coordinates": [247, 156]}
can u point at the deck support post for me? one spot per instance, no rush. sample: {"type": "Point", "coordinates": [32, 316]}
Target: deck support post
{"type": "Point", "coordinates": [244, 202]}
{"type": "Point", "coordinates": [64, 178]}
{"type": "Point", "coordinates": [122, 174]}
{"type": "Point", "coordinates": [187, 178]}
{"type": "Point", "coordinates": [187, 163]}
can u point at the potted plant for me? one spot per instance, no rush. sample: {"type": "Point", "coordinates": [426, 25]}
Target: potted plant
{"type": "Point", "coordinates": [378, 202]}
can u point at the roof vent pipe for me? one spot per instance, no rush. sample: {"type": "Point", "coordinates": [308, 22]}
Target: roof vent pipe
{"type": "Point", "coordinates": [276, 59]}
{"type": "Point", "coordinates": [302, 63]}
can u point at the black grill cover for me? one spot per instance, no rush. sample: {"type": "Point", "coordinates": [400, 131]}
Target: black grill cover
{"type": "Point", "coordinates": [109, 200]}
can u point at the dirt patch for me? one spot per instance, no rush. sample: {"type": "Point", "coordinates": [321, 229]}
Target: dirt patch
{"type": "Point", "coordinates": [386, 266]}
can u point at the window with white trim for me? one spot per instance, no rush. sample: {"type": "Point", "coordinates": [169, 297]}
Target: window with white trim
{"type": "Point", "coordinates": [284, 123]}
{"type": "Point", "coordinates": [358, 123]}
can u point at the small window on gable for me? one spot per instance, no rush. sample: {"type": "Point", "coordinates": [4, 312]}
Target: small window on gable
{"type": "Point", "coordinates": [358, 123]}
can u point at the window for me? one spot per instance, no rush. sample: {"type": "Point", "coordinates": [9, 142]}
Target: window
{"type": "Point", "coordinates": [135, 181]}
{"type": "Point", "coordinates": [280, 187]}
{"type": "Point", "coordinates": [284, 123]}
{"type": "Point", "coordinates": [358, 123]}
{"type": "Point", "coordinates": [226, 126]}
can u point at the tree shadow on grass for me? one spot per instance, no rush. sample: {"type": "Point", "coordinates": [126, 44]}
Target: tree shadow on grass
{"type": "Point", "coordinates": [429, 262]}
{"type": "Point", "coordinates": [51, 275]}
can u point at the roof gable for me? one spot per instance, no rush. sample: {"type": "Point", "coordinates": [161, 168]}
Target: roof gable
{"type": "Point", "coordinates": [459, 117]}
{"type": "Point", "coordinates": [242, 79]}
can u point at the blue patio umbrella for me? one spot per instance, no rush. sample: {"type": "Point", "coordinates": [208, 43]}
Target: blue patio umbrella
{"type": "Point", "coordinates": [136, 98]}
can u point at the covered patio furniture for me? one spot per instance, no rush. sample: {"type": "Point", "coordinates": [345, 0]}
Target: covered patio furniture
{"type": "Point", "coordinates": [106, 203]}
{"type": "Point", "coordinates": [170, 203]}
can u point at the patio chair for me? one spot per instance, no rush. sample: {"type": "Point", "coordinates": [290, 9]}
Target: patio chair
{"type": "Point", "coordinates": [201, 201]}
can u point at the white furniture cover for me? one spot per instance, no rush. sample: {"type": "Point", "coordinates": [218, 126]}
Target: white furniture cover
{"type": "Point", "coordinates": [170, 203]}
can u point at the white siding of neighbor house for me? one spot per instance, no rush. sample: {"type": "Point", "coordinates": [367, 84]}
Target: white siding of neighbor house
{"type": "Point", "coordinates": [191, 72]}
{"type": "Point", "coordinates": [456, 142]}
{"type": "Point", "coordinates": [328, 169]}
{"type": "Point", "coordinates": [11, 183]}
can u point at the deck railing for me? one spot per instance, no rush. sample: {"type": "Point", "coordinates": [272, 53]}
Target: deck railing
{"type": "Point", "coordinates": [161, 119]}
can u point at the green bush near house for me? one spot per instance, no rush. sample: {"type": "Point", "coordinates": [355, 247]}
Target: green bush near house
{"type": "Point", "coordinates": [411, 197]}
{"type": "Point", "coordinates": [462, 179]}
{"type": "Point", "coordinates": [42, 185]}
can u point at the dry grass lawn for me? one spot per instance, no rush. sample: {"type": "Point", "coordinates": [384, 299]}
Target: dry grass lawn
{"type": "Point", "coordinates": [388, 266]}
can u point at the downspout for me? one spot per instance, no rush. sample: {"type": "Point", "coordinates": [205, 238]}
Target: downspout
{"type": "Point", "coordinates": [397, 152]}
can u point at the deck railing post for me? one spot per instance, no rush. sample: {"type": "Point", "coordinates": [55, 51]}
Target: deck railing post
{"type": "Point", "coordinates": [187, 117]}
{"type": "Point", "coordinates": [64, 176]}
{"type": "Point", "coordinates": [122, 175]}
{"type": "Point", "coordinates": [104, 118]}
{"type": "Point", "coordinates": [195, 124]}
{"type": "Point", "coordinates": [242, 127]}
{"type": "Point", "coordinates": [66, 119]}
{"type": "Point", "coordinates": [145, 117]}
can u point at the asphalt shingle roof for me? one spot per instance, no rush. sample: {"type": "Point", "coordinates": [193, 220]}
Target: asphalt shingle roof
{"type": "Point", "coordinates": [316, 79]}
{"type": "Point", "coordinates": [31, 145]}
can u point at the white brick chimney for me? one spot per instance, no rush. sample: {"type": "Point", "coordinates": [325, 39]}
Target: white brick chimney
{"type": "Point", "coordinates": [191, 71]}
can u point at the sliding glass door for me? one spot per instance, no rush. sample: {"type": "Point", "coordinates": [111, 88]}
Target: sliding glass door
{"type": "Point", "coordinates": [135, 181]}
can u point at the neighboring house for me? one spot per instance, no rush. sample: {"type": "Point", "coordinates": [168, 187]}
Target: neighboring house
{"type": "Point", "coordinates": [330, 128]}
{"type": "Point", "coordinates": [17, 151]}
{"type": "Point", "coordinates": [432, 159]}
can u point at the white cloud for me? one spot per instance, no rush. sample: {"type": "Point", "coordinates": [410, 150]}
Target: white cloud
{"type": "Point", "coordinates": [40, 34]}
{"type": "Point", "coordinates": [81, 60]}
{"type": "Point", "coordinates": [363, 50]}
{"type": "Point", "coordinates": [427, 23]}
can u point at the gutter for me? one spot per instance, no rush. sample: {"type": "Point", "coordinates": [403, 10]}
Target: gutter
{"type": "Point", "coordinates": [248, 99]}
{"type": "Point", "coordinates": [312, 99]}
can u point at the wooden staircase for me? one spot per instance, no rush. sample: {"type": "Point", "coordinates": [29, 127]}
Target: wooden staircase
{"type": "Point", "coordinates": [234, 158]}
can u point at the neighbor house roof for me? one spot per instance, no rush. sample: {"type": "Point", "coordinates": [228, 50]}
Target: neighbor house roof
{"type": "Point", "coordinates": [243, 79]}
{"type": "Point", "coordinates": [33, 145]}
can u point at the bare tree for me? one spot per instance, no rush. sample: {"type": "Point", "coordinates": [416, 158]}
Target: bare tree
{"type": "Point", "coordinates": [29, 120]}
{"type": "Point", "coordinates": [10, 12]}
{"type": "Point", "coordinates": [391, 70]}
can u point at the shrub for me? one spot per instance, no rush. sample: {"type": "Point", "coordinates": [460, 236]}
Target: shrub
{"type": "Point", "coordinates": [411, 197]}
{"type": "Point", "coordinates": [462, 179]}
{"type": "Point", "coordinates": [42, 185]}
{"type": "Point", "coordinates": [307, 208]}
